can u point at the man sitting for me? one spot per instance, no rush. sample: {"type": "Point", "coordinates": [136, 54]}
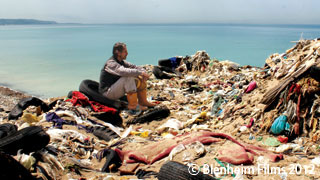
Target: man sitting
{"type": "Point", "coordinates": [119, 77]}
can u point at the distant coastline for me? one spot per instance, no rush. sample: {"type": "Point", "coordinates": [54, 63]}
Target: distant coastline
{"type": "Point", "coordinates": [24, 22]}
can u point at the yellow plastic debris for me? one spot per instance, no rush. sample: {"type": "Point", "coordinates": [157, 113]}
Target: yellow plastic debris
{"type": "Point", "coordinates": [203, 114]}
{"type": "Point", "coordinates": [30, 118]}
{"type": "Point", "coordinates": [141, 134]}
{"type": "Point", "coordinates": [164, 134]}
{"type": "Point", "coordinates": [202, 117]}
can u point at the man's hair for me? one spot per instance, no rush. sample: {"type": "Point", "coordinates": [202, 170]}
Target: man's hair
{"type": "Point", "coordinates": [118, 47]}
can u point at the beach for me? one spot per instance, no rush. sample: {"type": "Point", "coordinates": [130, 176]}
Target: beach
{"type": "Point", "coordinates": [9, 98]}
{"type": "Point", "coordinates": [220, 111]}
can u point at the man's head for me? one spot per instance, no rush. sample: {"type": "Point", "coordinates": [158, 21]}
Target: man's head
{"type": "Point", "coordinates": [120, 51]}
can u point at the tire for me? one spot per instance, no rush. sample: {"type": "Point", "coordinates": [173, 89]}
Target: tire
{"type": "Point", "coordinates": [151, 115]}
{"type": "Point", "coordinates": [175, 171]}
{"type": "Point", "coordinates": [17, 110]}
{"type": "Point", "coordinates": [142, 174]}
{"type": "Point", "coordinates": [7, 129]}
{"type": "Point", "coordinates": [12, 169]}
{"type": "Point", "coordinates": [29, 139]}
{"type": "Point", "coordinates": [91, 89]}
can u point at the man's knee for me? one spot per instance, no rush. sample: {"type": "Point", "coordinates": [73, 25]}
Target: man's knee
{"type": "Point", "coordinates": [141, 84]}
{"type": "Point", "coordinates": [129, 84]}
{"type": "Point", "coordinates": [128, 79]}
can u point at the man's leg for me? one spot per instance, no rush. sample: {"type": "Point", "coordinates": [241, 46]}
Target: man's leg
{"type": "Point", "coordinates": [125, 85]}
{"type": "Point", "coordinates": [142, 93]}
{"type": "Point", "coordinates": [120, 88]}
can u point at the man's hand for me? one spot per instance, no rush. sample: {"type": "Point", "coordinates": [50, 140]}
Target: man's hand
{"type": "Point", "coordinates": [144, 76]}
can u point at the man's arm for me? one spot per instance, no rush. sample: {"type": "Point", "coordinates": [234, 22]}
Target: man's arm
{"type": "Point", "coordinates": [115, 68]}
{"type": "Point", "coordinates": [145, 76]}
{"type": "Point", "coordinates": [130, 65]}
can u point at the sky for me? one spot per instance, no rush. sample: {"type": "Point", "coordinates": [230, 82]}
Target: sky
{"type": "Point", "coordinates": [165, 11]}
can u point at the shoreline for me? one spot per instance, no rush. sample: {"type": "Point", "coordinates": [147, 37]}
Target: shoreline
{"type": "Point", "coordinates": [10, 97]}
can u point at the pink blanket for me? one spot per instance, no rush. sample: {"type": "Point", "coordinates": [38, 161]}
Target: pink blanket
{"type": "Point", "coordinates": [155, 151]}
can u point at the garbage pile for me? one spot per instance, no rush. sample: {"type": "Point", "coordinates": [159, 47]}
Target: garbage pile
{"type": "Point", "coordinates": [295, 99]}
{"type": "Point", "coordinates": [216, 113]}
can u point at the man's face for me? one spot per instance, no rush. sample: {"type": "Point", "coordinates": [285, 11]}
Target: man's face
{"type": "Point", "coordinates": [123, 54]}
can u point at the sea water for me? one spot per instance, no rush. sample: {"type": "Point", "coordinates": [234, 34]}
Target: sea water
{"type": "Point", "coordinates": [51, 60]}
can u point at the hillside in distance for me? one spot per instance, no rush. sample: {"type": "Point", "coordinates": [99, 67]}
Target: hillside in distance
{"type": "Point", "coordinates": [24, 22]}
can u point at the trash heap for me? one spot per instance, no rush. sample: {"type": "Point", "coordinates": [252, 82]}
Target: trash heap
{"type": "Point", "coordinates": [218, 113]}
{"type": "Point", "coordinates": [295, 99]}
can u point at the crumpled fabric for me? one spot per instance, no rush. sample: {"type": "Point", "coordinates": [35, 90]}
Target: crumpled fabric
{"type": "Point", "coordinates": [309, 85]}
{"type": "Point", "coordinates": [294, 89]}
{"type": "Point", "coordinates": [235, 154]}
{"type": "Point", "coordinates": [57, 121]}
{"type": "Point", "coordinates": [283, 139]}
{"type": "Point", "coordinates": [163, 148]}
{"type": "Point", "coordinates": [251, 87]}
{"type": "Point", "coordinates": [280, 124]}
{"type": "Point", "coordinates": [79, 99]}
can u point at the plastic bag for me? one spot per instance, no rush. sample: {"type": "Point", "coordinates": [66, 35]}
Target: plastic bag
{"type": "Point", "coordinates": [280, 124]}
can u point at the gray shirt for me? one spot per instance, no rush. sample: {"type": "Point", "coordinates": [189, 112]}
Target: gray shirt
{"type": "Point", "coordinates": [114, 69]}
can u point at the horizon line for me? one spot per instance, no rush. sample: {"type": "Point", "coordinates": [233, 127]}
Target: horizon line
{"type": "Point", "coordinates": [193, 23]}
{"type": "Point", "coordinates": [172, 23]}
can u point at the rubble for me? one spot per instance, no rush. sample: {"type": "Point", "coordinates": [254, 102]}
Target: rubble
{"type": "Point", "coordinates": [267, 113]}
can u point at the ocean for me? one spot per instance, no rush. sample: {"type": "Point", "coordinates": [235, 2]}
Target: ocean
{"type": "Point", "coordinates": [51, 60]}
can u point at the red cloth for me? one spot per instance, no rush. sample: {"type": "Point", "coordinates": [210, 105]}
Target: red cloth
{"type": "Point", "coordinates": [79, 99]}
{"type": "Point", "coordinates": [283, 139]}
{"type": "Point", "coordinates": [235, 154]}
{"type": "Point", "coordinates": [251, 87]}
{"type": "Point", "coordinates": [251, 123]}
